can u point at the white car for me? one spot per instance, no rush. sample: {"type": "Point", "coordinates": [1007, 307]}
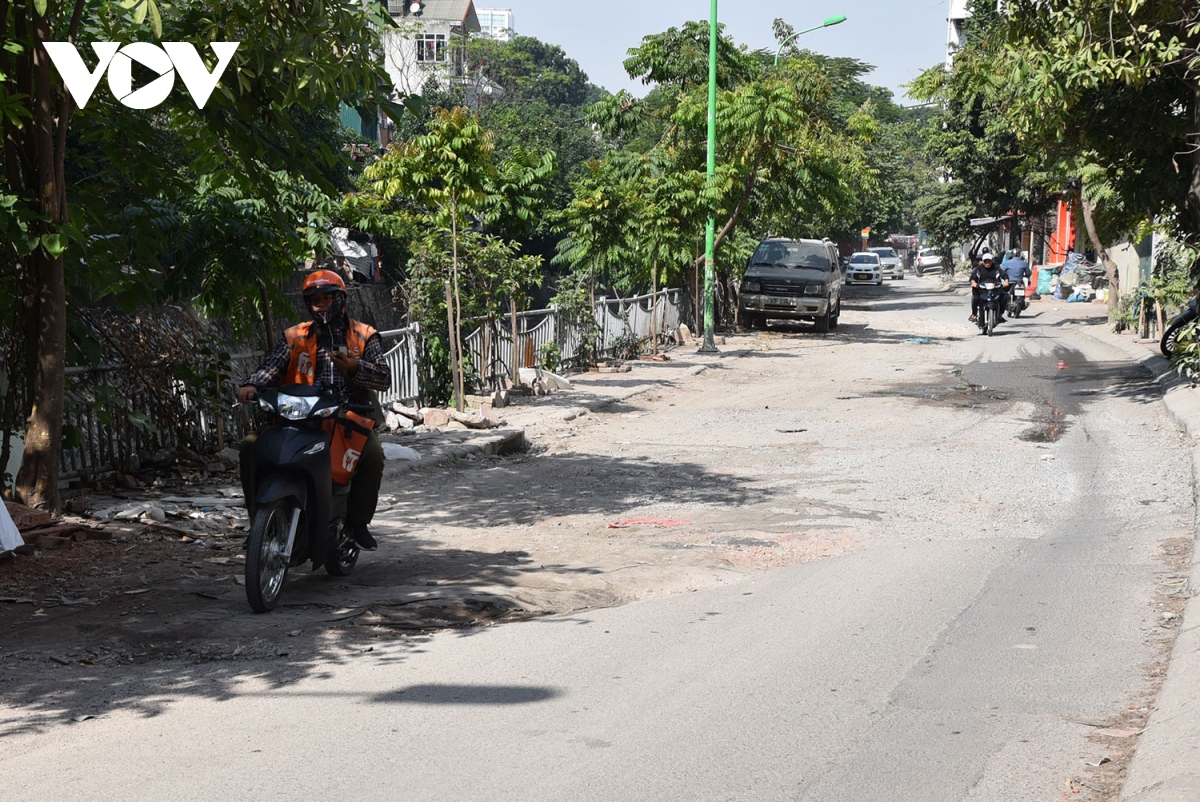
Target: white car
{"type": "Point", "coordinates": [890, 260]}
{"type": "Point", "coordinates": [864, 268]}
{"type": "Point", "coordinates": [928, 259]}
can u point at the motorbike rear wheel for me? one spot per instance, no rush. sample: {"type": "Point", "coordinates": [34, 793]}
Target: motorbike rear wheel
{"type": "Point", "coordinates": [266, 567]}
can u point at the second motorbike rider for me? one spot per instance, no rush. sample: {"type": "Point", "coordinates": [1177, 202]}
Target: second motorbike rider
{"type": "Point", "coordinates": [339, 353]}
{"type": "Point", "coordinates": [1017, 269]}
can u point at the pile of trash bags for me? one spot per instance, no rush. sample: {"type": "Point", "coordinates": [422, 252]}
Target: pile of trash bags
{"type": "Point", "coordinates": [1079, 280]}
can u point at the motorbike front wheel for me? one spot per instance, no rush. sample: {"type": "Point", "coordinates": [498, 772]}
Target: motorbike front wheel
{"type": "Point", "coordinates": [989, 321]}
{"type": "Point", "coordinates": [1167, 344]}
{"type": "Point", "coordinates": [266, 567]}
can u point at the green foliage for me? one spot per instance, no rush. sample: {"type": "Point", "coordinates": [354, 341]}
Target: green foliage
{"type": "Point", "coordinates": [678, 58]}
{"type": "Point", "coordinates": [972, 140]}
{"type": "Point", "coordinates": [1063, 90]}
{"type": "Point", "coordinates": [628, 346]}
{"type": "Point", "coordinates": [529, 70]}
{"type": "Point", "coordinates": [1115, 80]}
{"type": "Point", "coordinates": [1174, 282]}
{"type": "Point", "coordinates": [577, 310]}
{"type": "Point", "coordinates": [425, 298]}
{"type": "Point", "coordinates": [96, 200]}
{"type": "Point", "coordinates": [1186, 356]}
{"type": "Point", "coordinates": [550, 356]}
{"type": "Point", "coordinates": [793, 155]}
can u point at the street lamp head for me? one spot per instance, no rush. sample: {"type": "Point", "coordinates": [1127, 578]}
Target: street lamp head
{"type": "Point", "coordinates": [829, 21]}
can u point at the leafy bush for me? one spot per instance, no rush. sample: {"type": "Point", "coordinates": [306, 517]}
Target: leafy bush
{"type": "Point", "coordinates": [550, 356]}
{"type": "Point", "coordinates": [1186, 357]}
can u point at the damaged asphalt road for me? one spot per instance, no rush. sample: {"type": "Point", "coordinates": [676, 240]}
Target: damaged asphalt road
{"type": "Point", "coordinates": [899, 558]}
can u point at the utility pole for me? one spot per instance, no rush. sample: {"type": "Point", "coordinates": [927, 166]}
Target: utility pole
{"type": "Point", "coordinates": [710, 235]}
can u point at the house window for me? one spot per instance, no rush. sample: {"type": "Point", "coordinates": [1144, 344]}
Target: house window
{"type": "Point", "coordinates": [431, 47]}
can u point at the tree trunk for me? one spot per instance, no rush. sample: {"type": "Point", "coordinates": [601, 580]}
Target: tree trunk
{"type": "Point", "coordinates": [1110, 267]}
{"type": "Point", "coordinates": [654, 305]}
{"type": "Point", "coordinates": [751, 183]}
{"type": "Point", "coordinates": [37, 479]}
{"type": "Point", "coordinates": [516, 352]}
{"type": "Point", "coordinates": [456, 317]}
{"type": "Point", "coordinates": [454, 366]}
{"type": "Point", "coordinates": [268, 319]}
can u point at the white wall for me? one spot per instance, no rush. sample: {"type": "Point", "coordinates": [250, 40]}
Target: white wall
{"type": "Point", "coordinates": [400, 55]}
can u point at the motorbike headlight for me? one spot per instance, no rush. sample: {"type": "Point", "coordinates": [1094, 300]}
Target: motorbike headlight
{"type": "Point", "coordinates": [814, 289]}
{"type": "Point", "coordinates": [295, 407]}
{"type": "Point", "coordinates": [751, 286]}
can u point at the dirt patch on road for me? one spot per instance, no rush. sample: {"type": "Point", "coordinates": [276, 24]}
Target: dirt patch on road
{"type": "Point", "coordinates": [587, 537]}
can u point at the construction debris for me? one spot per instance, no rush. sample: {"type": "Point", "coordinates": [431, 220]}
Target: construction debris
{"type": "Point", "coordinates": [26, 529]}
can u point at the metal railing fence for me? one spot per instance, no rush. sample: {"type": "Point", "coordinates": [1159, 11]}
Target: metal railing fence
{"type": "Point", "coordinates": [111, 418]}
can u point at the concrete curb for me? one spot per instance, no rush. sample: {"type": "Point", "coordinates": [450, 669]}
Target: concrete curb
{"type": "Point", "coordinates": [1166, 764]}
{"type": "Point", "coordinates": [447, 447]}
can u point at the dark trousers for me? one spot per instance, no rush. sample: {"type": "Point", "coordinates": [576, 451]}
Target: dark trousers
{"type": "Point", "coordinates": [364, 486]}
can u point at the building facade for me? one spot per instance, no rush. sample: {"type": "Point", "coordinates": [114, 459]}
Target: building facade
{"type": "Point", "coordinates": [428, 42]}
{"type": "Point", "coordinates": [496, 23]}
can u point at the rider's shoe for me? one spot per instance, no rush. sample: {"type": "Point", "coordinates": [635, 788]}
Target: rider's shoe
{"type": "Point", "coordinates": [973, 319]}
{"type": "Point", "coordinates": [362, 537]}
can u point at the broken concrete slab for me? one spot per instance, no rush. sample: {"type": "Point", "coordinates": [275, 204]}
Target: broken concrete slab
{"type": "Point", "coordinates": [435, 417]}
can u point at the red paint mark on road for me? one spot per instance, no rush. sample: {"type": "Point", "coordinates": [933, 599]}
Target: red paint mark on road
{"type": "Point", "coordinates": [660, 523]}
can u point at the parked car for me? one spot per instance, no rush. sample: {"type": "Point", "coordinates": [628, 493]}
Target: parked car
{"type": "Point", "coordinates": [892, 267]}
{"type": "Point", "coordinates": [928, 259]}
{"type": "Point", "coordinates": [789, 279]}
{"type": "Point", "coordinates": [864, 268]}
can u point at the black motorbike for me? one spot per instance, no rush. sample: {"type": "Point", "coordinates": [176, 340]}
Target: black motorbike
{"type": "Point", "coordinates": [991, 297]}
{"type": "Point", "coordinates": [1189, 313]}
{"type": "Point", "coordinates": [298, 504]}
{"type": "Point", "coordinates": [1016, 298]}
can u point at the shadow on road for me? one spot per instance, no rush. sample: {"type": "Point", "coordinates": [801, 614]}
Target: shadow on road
{"type": "Point", "coordinates": [190, 634]}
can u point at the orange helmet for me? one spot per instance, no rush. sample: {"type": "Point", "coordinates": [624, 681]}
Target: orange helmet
{"type": "Point", "coordinates": [323, 281]}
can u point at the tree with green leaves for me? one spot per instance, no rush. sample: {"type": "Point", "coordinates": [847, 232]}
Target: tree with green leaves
{"type": "Point", "coordinates": [788, 159]}
{"type": "Point", "coordinates": [449, 180]}
{"type": "Point", "coordinates": [444, 171]}
{"type": "Point", "coordinates": [56, 207]}
{"type": "Point", "coordinates": [1095, 100]}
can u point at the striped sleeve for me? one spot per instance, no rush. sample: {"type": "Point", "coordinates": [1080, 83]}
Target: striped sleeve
{"type": "Point", "coordinates": [270, 371]}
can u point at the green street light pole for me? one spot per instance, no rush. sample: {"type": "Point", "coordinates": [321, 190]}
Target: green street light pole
{"type": "Point", "coordinates": [829, 21]}
{"type": "Point", "coordinates": [710, 235]}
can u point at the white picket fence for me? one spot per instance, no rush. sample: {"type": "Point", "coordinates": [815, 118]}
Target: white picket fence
{"type": "Point", "coordinates": [489, 347]}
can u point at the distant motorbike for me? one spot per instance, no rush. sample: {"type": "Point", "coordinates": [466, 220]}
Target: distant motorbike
{"type": "Point", "coordinates": [1189, 313]}
{"type": "Point", "coordinates": [303, 464]}
{"type": "Point", "coordinates": [1016, 299]}
{"type": "Point", "coordinates": [991, 296]}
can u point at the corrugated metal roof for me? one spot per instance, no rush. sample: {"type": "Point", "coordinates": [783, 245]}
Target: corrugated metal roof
{"type": "Point", "coordinates": [462, 11]}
